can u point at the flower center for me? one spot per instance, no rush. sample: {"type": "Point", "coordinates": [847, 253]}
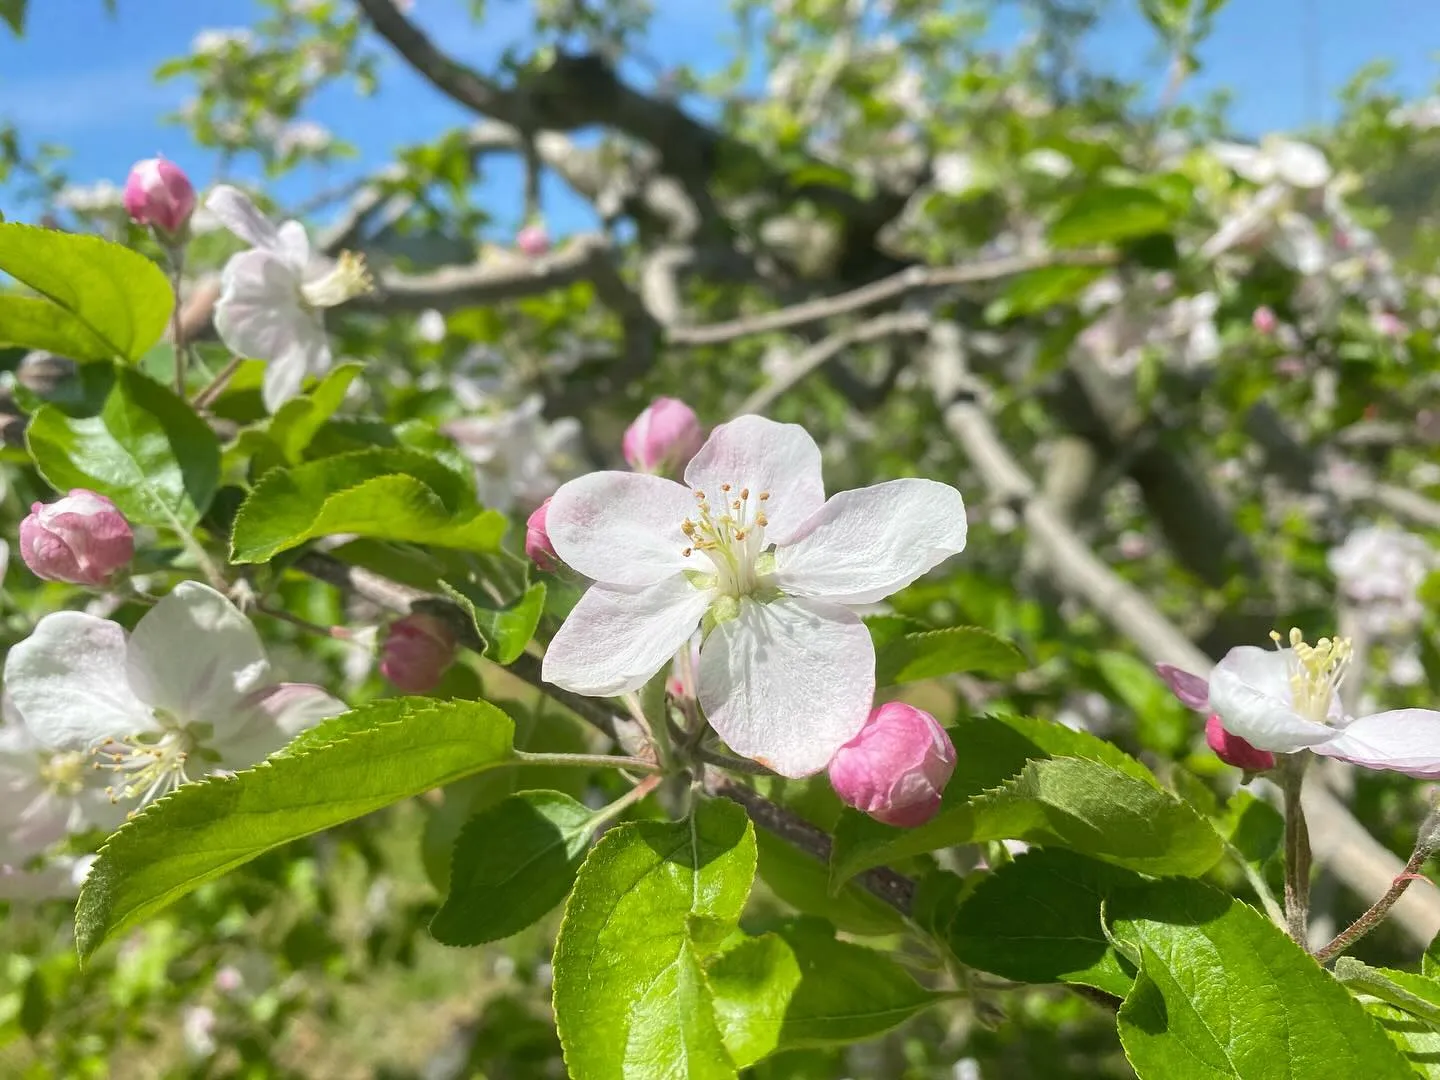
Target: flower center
{"type": "Point", "coordinates": [148, 765]}
{"type": "Point", "coordinates": [731, 535]}
{"type": "Point", "coordinates": [1319, 670]}
{"type": "Point", "coordinates": [347, 280]}
{"type": "Point", "coordinates": [64, 773]}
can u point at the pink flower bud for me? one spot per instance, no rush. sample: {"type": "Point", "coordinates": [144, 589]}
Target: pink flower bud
{"type": "Point", "coordinates": [533, 240]}
{"type": "Point", "coordinates": [1192, 690]}
{"type": "Point", "coordinates": [1388, 324]}
{"type": "Point", "coordinates": [228, 979]}
{"type": "Point", "coordinates": [417, 651]}
{"type": "Point", "coordinates": [1233, 750]}
{"type": "Point", "coordinates": [896, 768]}
{"type": "Point", "coordinates": [82, 539]}
{"type": "Point", "coordinates": [537, 540]}
{"type": "Point", "coordinates": [1264, 320]}
{"type": "Point", "coordinates": [158, 194]}
{"type": "Point", "coordinates": [663, 437]}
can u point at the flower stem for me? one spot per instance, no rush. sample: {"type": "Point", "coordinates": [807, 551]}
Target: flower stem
{"type": "Point", "coordinates": [734, 764]}
{"type": "Point", "coordinates": [587, 761]}
{"type": "Point", "coordinates": [609, 813]}
{"type": "Point", "coordinates": [1378, 910]}
{"type": "Point", "coordinates": [206, 397]}
{"type": "Point", "coordinates": [177, 324]}
{"type": "Point", "coordinates": [1297, 849]}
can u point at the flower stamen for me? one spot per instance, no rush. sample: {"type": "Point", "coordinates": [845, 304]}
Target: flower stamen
{"type": "Point", "coordinates": [348, 279]}
{"type": "Point", "coordinates": [1319, 671]}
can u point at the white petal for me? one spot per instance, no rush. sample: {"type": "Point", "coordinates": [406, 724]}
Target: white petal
{"type": "Point", "coordinates": [1250, 690]}
{"type": "Point", "coordinates": [753, 452]}
{"type": "Point", "coordinates": [195, 656]}
{"type": "Point", "coordinates": [1297, 243]}
{"type": "Point", "coordinates": [788, 683]}
{"type": "Point", "coordinates": [1299, 164]}
{"type": "Point", "coordinates": [69, 684]}
{"type": "Point", "coordinates": [615, 639]}
{"type": "Point", "coordinates": [621, 528]}
{"type": "Point", "coordinates": [1249, 162]}
{"type": "Point", "coordinates": [865, 544]}
{"type": "Point", "coordinates": [275, 715]}
{"type": "Point", "coordinates": [293, 245]}
{"type": "Point", "coordinates": [242, 217]}
{"type": "Point", "coordinates": [285, 378]}
{"type": "Point", "coordinates": [1403, 740]}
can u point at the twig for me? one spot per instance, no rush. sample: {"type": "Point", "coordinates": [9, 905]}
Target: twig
{"type": "Point", "coordinates": [896, 285]}
{"type": "Point", "coordinates": [1377, 911]}
{"type": "Point", "coordinates": [216, 386]}
{"type": "Point", "coordinates": [825, 350]}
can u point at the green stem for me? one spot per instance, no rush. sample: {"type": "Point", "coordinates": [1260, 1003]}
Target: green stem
{"type": "Point", "coordinates": [1378, 910]}
{"type": "Point", "coordinates": [609, 813]}
{"type": "Point", "coordinates": [1297, 849]}
{"type": "Point", "coordinates": [587, 761]}
{"type": "Point", "coordinates": [206, 397]}
{"type": "Point", "coordinates": [1260, 885]}
{"type": "Point", "coordinates": [177, 326]}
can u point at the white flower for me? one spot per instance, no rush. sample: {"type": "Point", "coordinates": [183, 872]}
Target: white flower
{"type": "Point", "coordinates": [197, 1030]}
{"type": "Point", "coordinates": [1295, 164]}
{"type": "Point", "coordinates": [750, 545]}
{"type": "Point", "coordinates": [956, 172]}
{"type": "Point", "coordinates": [215, 42]}
{"type": "Point", "coordinates": [1287, 700]}
{"type": "Point", "coordinates": [303, 136]}
{"type": "Point", "coordinates": [90, 198]}
{"type": "Point", "coordinates": [519, 456]}
{"type": "Point", "coordinates": [1380, 571]}
{"type": "Point", "coordinates": [430, 327]}
{"type": "Point", "coordinates": [272, 297]}
{"type": "Point", "coordinates": [189, 690]}
{"type": "Point", "coordinates": [45, 794]}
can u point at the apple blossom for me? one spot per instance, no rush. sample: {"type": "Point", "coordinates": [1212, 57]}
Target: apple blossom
{"type": "Point", "coordinates": [417, 650]}
{"type": "Point", "coordinates": [82, 539]}
{"type": "Point", "coordinates": [663, 437]}
{"type": "Point", "coordinates": [1285, 700]}
{"type": "Point", "coordinates": [537, 540]}
{"type": "Point", "coordinates": [1276, 160]}
{"type": "Point", "coordinates": [1380, 570]}
{"type": "Point", "coordinates": [896, 768]}
{"type": "Point", "coordinates": [518, 455]}
{"type": "Point", "coordinates": [273, 296]}
{"type": "Point", "coordinates": [749, 546]}
{"type": "Point", "coordinates": [189, 687]}
{"type": "Point", "coordinates": [1264, 320]}
{"type": "Point", "coordinates": [159, 194]}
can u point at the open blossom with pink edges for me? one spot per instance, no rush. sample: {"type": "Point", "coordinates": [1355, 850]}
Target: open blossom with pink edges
{"type": "Point", "coordinates": [1285, 700]}
{"type": "Point", "coordinates": [749, 546]}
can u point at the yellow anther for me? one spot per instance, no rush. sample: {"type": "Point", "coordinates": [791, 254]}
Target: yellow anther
{"type": "Point", "coordinates": [725, 487]}
{"type": "Point", "coordinates": [686, 553]}
{"type": "Point", "coordinates": [744, 493]}
{"type": "Point", "coordinates": [764, 495]}
{"type": "Point", "coordinates": [735, 505]}
{"type": "Point", "coordinates": [761, 519]}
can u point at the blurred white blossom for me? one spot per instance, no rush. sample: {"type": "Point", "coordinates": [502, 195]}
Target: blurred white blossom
{"type": "Point", "coordinates": [519, 456]}
{"type": "Point", "coordinates": [1380, 569]}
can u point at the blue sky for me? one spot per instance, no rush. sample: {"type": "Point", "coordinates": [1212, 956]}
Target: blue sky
{"type": "Point", "coordinates": [84, 80]}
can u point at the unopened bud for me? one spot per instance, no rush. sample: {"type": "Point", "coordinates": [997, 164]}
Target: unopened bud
{"type": "Point", "coordinates": [158, 194]}
{"type": "Point", "coordinates": [533, 240]}
{"type": "Point", "coordinates": [537, 539]}
{"type": "Point", "coordinates": [417, 651]}
{"type": "Point", "coordinates": [1233, 750]}
{"type": "Point", "coordinates": [664, 437]}
{"type": "Point", "coordinates": [1264, 320]}
{"type": "Point", "coordinates": [82, 539]}
{"type": "Point", "coordinates": [897, 767]}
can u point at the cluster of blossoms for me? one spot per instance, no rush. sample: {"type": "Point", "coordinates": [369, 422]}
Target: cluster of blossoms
{"type": "Point", "coordinates": [98, 720]}
{"type": "Point", "coordinates": [749, 557]}
{"type": "Point", "coordinates": [1379, 570]}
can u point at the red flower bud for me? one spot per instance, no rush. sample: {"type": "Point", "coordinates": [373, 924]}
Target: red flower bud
{"type": "Point", "coordinates": [664, 437]}
{"type": "Point", "coordinates": [897, 767]}
{"type": "Point", "coordinates": [158, 194]}
{"type": "Point", "coordinates": [417, 651]}
{"type": "Point", "coordinates": [82, 539]}
{"type": "Point", "coordinates": [1233, 750]}
{"type": "Point", "coordinates": [537, 540]}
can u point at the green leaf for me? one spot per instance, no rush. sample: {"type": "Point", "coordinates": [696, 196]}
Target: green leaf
{"type": "Point", "coordinates": [29, 323]}
{"type": "Point", "coordinates": [1041, 289]}
{"type": "Point", "coordinates": [206, 829]}
{"type": "Point", "coordinates": [799, 987]}
{"type": "Point", "coordinates": [1162, 723]}
{"type": "Point", "coordinates": [1252, 827]}
{"type": "Point", "coordinates": [1417, 1040]}
{"type": "Point", "coordinates": [120, 297]}
{"type": "Point", "coordinates": [933, 653]}
{"type": "Point", "coordinates": [1223, 992]}
{"type": "Point", "coordinates": [1104, 215]}
{"type": "Point", "coordinates": [652, 901]}
{"type": "Point", "coordinates": [1038, 920]}
{"type": "Point", "coordinates": [1430, 961]}
{"type": "Point", "coordinates": [513, 863]}
{"type": "Point", "coordinates": [990, 750]}
{"type": "Point", "coordinates": [13, 12]}
{"type": "Point", "coordinates": [1416, 994]}
{"type": "Point", "coordinates": [803, 883]}
{"type": "Point", "coordinates": [145, 449]}
{"type": "Point", "coordinates": [283, 438]}
{"type": "Point", "coordinates": [385, 494]}
{"type": "Point", "coordinates": [505, 631]}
